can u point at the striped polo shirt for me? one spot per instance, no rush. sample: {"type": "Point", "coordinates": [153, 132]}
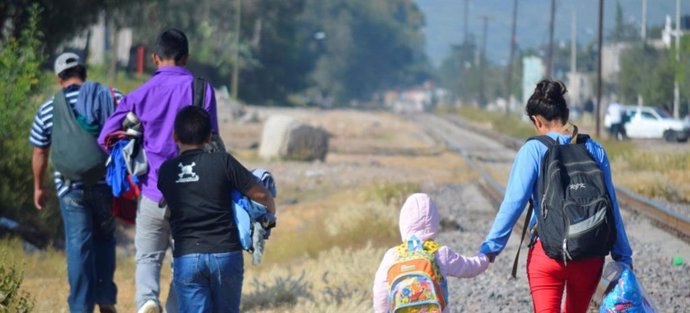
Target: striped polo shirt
{"type": "Point", "coordinates": [42, 129]}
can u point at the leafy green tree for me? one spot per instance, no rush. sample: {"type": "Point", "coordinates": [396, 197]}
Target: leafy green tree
{"type": "Point", "coordinates": [370, 46]}
{"type": "Point", "coordinates": [62, 19]}
{"type": "Point", "coordinates": [646, 71]}
{"type": "Point", "coordinates": [622, 31]}
{"type": "Point", "coordinates": [20, 79]}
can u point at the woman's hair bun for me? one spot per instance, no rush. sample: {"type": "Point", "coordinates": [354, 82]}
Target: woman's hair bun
{"type": "Point", "coordinates": [548, 101]}
{"type": "Point", "coordinates": [552, 91]}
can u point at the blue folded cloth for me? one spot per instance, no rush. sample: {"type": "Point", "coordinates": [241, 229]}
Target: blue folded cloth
{"type": "Point", "coordinates": [253, 221]}
{"type": "Point", "coordinates": [116, 169]}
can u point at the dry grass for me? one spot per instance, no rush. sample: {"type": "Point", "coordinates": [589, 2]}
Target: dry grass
{"type": "Point", "coordinates": [336, 218]}
{"type": "Point", "coordinates": [337, 280]}
{"type": "Point", "coordinates": [45, 277]}
{"type": "Point", "coordinates": [657, 174]}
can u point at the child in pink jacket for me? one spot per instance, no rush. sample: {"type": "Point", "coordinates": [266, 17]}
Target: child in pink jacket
{"type": "Point", "coordinates": [419, 217]}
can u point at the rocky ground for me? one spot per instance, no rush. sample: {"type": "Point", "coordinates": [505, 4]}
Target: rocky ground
{"type": "Point", "coordinates": [388, 148]}
{"type": "Point", "coordinates": [495, 291]}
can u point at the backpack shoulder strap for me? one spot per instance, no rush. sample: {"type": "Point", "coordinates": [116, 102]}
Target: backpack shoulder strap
{"type": "Point", "coordinates": [199, 92]}
{"type": "Point", "coordinates": [62, 111]}
{"type": "Point", "coordinates": [546, 140]}
{"type": "Point", "coordinates": [582, 138]}
{"type": "Point", "coordinates": [528, 217]}
{"type": "Point", "coordinates": [431, 246]}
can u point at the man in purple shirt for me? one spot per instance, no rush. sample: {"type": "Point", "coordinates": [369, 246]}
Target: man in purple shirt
{"type": "Point", "coordinates": [156, 103]}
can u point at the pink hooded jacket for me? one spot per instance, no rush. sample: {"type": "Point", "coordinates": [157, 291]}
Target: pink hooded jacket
{"type": "Point", "coordinates": [419, 216]}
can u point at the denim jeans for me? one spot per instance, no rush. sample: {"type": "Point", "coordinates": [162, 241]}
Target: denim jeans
{"type": "Point", "coordinates": [152, 239]}
{"type": "Point", "coordinates": [209, 282]}
{"type": "Point", "coordinates": [90, 247]}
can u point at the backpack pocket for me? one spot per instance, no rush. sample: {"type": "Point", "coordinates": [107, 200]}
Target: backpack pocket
{"type": "Point", "coordinates": [415, 293]}
{"type": "Point", "coordinates": [589, 228]}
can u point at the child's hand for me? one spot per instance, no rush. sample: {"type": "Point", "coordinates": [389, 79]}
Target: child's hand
{"type": "Point", "coordinates": [492, 257]}
{"type": "Point", "coordinates": [268, 221]}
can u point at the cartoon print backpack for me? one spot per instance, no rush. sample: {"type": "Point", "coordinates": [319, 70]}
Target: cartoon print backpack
{"type": "Point", "coordinates": [416, 283]}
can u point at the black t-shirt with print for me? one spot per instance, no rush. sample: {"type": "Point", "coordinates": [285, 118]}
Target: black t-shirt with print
{"type": "Point", "coordinates": [196, 186]}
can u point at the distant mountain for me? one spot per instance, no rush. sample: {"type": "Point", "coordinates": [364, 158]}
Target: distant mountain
{"type": "Point", "coordinates": [444, 20]}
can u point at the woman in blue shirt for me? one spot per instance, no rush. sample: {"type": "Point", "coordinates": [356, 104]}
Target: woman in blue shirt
{"type": "Point", "coordinates": [548, 278]}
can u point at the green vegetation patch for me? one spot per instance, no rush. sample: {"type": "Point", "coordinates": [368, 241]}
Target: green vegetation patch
{"type": "Point", "coordinates": [12, 298]}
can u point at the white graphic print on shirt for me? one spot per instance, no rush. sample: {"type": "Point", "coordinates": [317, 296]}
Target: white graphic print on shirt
{"type": "Point", "coordinates": [187, 174]}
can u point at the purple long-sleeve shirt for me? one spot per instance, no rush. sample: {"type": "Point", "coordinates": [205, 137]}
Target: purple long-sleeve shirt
{"type": "Point", "coordinates": [156, 103]}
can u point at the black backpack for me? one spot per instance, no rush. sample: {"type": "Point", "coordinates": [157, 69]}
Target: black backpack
{"type": "Point", "coordinates": [576, 218]}
{"type": "Point", "coordinates": [75, 153]}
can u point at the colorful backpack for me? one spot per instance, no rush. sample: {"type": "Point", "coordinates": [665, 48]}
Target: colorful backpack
{"type": "Point", "coordinates": [416, 283]}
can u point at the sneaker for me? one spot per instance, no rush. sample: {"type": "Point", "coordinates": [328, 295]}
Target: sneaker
{"type": "Point", "coordinates": [107, 308]}
{"type": "Point", "coordinates": [150, 307]}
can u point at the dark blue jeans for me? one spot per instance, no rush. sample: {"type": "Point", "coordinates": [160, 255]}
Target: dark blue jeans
{"type": "Point", "coordinates": [209, 282]}
{"type": "Point", "coordinates": [90, 247]}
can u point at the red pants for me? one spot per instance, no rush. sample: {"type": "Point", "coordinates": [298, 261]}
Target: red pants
{"type": "Point", "coordinates": [548, 277]}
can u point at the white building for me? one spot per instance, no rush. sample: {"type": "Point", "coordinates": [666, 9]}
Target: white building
{"type": "Point", "coordinates": [532, 73]}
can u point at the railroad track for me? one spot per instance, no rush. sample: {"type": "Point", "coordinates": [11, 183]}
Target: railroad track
{"type": "Point", "coordinates": [661, 215]}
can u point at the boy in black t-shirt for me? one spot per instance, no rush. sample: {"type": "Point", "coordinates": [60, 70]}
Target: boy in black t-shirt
{"type": "Point", "coordinates": [207, 269]}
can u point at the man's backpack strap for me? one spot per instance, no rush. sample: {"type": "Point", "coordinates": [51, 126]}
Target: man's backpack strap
{"type": "Point", "coordinates": [199, 94]}
{"type": "Point", "coordinates": [528, 217]}
{"type": "Point", "coordinates": [199, 99]}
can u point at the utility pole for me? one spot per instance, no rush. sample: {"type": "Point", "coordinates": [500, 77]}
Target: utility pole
{"type": "Point", "coordinates": [643, 27]}
{"type": "Point", "coordinates": [549, 55]}
{"type": "Point", "coordinates": [513, 43]}
{"type": "Point", "coordinates": [467, 9]}
{"type": "Point", "coordinates": [236, 57]}
{"type": "Point", "coordinates": [601, 40]}
{"type": "Point", "coordinates": [676, 88]}
{"type": "Point", "coordinates": [482, 62]}
{"type": "Point", "coordinates": [643, 34]}
{"type": "Point", "coordinates": [573, 43]}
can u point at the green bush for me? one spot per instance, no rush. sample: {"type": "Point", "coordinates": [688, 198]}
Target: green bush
{"type": "Point", "coordinates": [20, 78]}
{"type": "Point", "coordinates": [11, 298]}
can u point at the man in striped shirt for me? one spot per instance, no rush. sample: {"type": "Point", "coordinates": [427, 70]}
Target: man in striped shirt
{"type": "Point", "coordinates": [86, 210]}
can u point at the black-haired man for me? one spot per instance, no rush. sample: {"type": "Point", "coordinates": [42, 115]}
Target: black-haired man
{"type": "Point", "coordinates": [208, 267]}
{"type": "Point", "coordinates": [156, 103]}
{"type": "Point", "coordinates": [85, 207]}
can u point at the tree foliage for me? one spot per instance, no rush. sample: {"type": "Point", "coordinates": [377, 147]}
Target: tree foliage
{"type": "Point", "coordinates": [650, 72]}
{"type": "Point", "coordinates": [472, 78]}
{"type": "Point", "coordinates": [20, 79]}
{"type": "Point", "coordinates": [369, 46]}
{"type": "Point", "coordinates": [337, 48]}
{"type": "Point", "coordinates": [12, 299]}
{"type": "Point", "coordinates": [61, 19]}
{"type": "Point", "coordinates": [623, 31]}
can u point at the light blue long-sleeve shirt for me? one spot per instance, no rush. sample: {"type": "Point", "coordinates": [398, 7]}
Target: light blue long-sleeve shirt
{"type": "Point", "coordinates": [522, 186]}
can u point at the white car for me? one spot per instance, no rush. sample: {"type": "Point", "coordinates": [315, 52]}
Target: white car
{"type": "Point", "coordinates": [652, 122]}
